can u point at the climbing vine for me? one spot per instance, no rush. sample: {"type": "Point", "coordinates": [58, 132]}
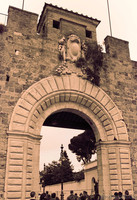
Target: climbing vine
{"type": "Point", "coordinates": [91, 62]}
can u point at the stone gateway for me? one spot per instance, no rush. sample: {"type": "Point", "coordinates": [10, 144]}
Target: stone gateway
{"type": "Point", "coordinates": [40, 76]}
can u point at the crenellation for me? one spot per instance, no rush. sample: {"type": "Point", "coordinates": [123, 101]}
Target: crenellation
{"type": "Point", "coordinates": [117, 49]}
{"type": "Point", "coordinates": [27, 26]}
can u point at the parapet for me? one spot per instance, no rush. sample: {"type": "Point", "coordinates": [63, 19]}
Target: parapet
{"type": "Point", "coordinates": [22, 21]}
{"type": "Point", "coordinates": [117, 48]}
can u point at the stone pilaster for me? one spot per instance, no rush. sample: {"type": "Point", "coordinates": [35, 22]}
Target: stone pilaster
{"type": "Point", "coordinates": [20, 173]}
{"type": "Point", "coordinates": [114, 168]}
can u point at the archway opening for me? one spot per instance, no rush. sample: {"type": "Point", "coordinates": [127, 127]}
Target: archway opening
{"type": "Point", "coordinates": [67, 125]}
{"type": "Point", "coordinates": [65, 119]}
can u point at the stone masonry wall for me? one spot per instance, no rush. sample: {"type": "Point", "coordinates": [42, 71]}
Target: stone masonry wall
{"type": "Point", "coordinates": [24, 60]}
{"type": "Point", "coordinates": [119, 81]}
{"type": "Point", "coordinates": [26, 57]}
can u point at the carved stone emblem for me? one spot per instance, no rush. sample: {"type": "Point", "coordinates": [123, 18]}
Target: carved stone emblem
{"type": "Point", "coordinates": [70, 49]}
{"type": "Point", "coordinates": [73, 48]}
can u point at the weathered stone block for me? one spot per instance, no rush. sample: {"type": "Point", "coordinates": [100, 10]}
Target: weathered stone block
{"type": "Point", "coordinates": [124, 156]}
{"type": "Point", "coordinates": [15, 168]}
{"type": "Point", "coordinates": [15, 175]}
{"type": "Point", "coordinates": [95, 91]}
{"type": "Point", "coordinates": [59, 83]}
{"type": "Point", "coordinates": [84, 101]}
{"type": "Point", "coordinates": [82, 85]}
{"type": "Point", "coordinates": [16, 195]}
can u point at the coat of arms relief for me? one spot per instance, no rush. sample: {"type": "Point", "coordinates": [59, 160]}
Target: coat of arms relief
{"type": "Point", "coordinates": [70, 50]}
{"type": "Point", "coordinates": [86, 55]}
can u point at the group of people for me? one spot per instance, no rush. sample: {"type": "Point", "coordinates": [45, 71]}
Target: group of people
{"type": "Point", "coordinates": [74, 196]}
{"type": "Point", "coordinates": [119, 196]}
{"type": "Point", "coordinates": [96, 196]}
{"type": "Point", "coordinates": [44, 196]}
{"type": "Point", "coordinates": [81, 196]}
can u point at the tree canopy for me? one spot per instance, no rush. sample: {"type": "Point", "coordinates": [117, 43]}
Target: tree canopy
{"type": "Point", "coordinates": [83, 146]}
{"type": "Point", "coordinates": [56, 171]}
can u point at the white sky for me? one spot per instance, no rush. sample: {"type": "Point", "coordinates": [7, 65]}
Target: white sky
{"type": "Point", "coordinates": [123, 16]}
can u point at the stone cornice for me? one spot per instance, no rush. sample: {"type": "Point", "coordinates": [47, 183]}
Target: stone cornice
{"type": "Point", "coordinates": [23, 135]}
{"type": "Point", "coordinates": [113, 143]}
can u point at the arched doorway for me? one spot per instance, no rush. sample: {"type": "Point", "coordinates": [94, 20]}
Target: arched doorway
{"type": "Point", "coordinates": [67, 94]}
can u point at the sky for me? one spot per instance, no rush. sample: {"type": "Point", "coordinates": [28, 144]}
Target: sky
{"type": "Point", "coordinates": [123, 14]}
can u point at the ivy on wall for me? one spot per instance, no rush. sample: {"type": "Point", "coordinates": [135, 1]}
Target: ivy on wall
{"type": "Point", "coordinates": [91, 62]}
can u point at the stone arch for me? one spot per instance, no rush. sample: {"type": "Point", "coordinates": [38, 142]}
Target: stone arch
{"type": "Point", "coordinates": [74, 94]}
{"type": "Point", "coordinates": [54, 90]}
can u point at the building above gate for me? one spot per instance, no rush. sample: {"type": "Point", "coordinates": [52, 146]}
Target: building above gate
{"type": "Point", "coordinates": [66, 22]}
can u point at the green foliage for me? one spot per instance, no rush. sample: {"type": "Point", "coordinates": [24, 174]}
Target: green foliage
{"type": "Point", "coordinates": [92, 63]}
{"type": "Point", "coordinates": [78, 176]}
{"type": "Point", "coordinates": [57, 172]}
{"type": "Point", "coordinates": [83, 146]}
{"type": "Point", "coordinates": [93, 55]}
{"type": "Point", "coordinates": [81, 62]}
{"type": "Point", "coordinates": [2, 28]}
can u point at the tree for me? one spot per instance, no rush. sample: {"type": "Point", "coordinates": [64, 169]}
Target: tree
{"type": "Point", "coordinates": [66, 168]}
{"type": "Point", "coordinates": [83, 146]}
{"type": "Point", "coordinates": [55, 171]}
{"type": "Point", "coordinates": [78, 176]}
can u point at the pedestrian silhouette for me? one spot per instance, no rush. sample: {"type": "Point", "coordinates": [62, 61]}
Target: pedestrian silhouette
{"type": "Point", "coordinates": [120, 195]}
{"type": "Point", "coordinates": [32, 195]}
{"type": "Point", "coordinates": [116, 194]}
{"type": "Point", "coordinates": [71, 196]}
{"type": "Point", "coordinates": [127, 196]}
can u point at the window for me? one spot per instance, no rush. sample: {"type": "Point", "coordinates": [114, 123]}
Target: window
{"type": "Point", "coordinates": [56, 24]}
{"type": "Point", "coordinates": [88, 34]}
